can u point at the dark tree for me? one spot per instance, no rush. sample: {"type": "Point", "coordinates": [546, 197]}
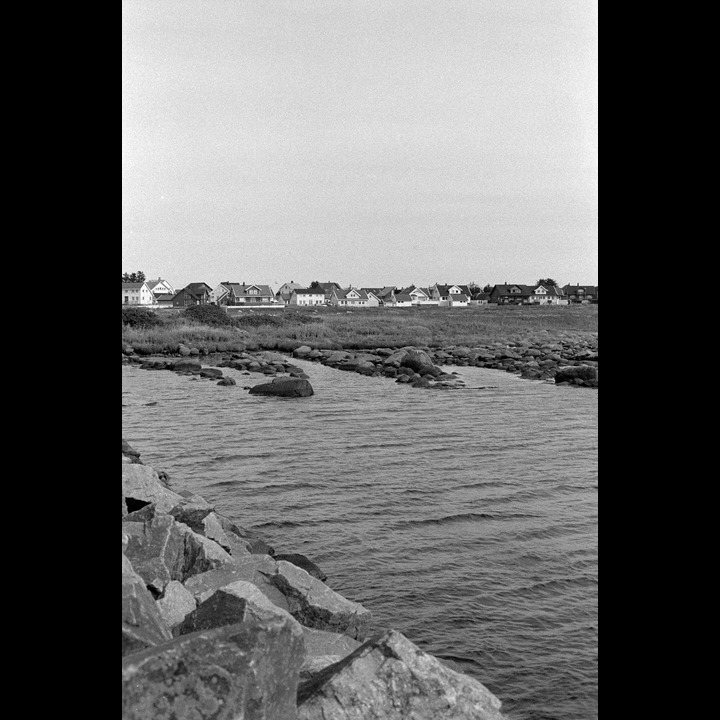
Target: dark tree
{"type": "Point", "coordinates": [314, 284]}
{"type": "Point", "coordinates": [546, 281]}
{"type": "Point", "coordinates": [138, 276]}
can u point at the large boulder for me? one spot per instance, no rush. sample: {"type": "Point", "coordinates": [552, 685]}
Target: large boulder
{"type": "Point", "coordinates": [303, 562]}
{"type": "Point", "coordinates": [228, 605]}
{"type": "Point", "coordinates": [256, 569]}
{"type": "Point", "coordinates": [142, 485]}
{"type": "Point", "coordinates": [315, 605]}
{"type": "Point", "coordinates": [249, 670]}
{"type": "Point", "coordinates": [162, 550]}
{"type": "Point", "coordinates": [284, 387]}
{"type": "Point", "coordinates": [324, 648]}
{"type": "Point", "coordinates": [389, 677]}
{"type": "Point", "coordinates": [142, 623]}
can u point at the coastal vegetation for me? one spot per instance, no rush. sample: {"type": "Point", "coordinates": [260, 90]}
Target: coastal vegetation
{"type": "Point", "coordinates": [211, 330]}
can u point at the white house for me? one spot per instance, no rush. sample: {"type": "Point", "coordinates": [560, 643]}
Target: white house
{"type": "Point", "coordinates": [307, 296]}
{"type": "Point", "coordinates": [352, 297]}
{"type": "Point", "coordinates": [137, 293]}
{"type": "Point", "coordinates": [160, 287]}
{"type": "Point", "coordinates": [421, 296]}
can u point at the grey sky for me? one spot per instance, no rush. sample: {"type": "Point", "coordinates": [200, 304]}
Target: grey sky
{"type": "Point", "coordinates": [369, 142]}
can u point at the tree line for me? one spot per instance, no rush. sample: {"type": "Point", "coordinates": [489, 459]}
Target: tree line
{"type": "Point", "coordinates": [138, 276]}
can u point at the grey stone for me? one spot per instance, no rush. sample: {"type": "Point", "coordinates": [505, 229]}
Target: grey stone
{"type": "Point", "coordinates": [246, 671]}
{"type": "Point", "coordinates": [389, 678]}
{"type": "Point", "coordinates": [142, 623]}
{"type": "Point", "coordinates": [176, 603]}
{"type": "Point", "coordinates": [289, 387]}
{"type": "Point", "coordinates": [315, 605]}
{"type": "Point", "coordinates": [141, 482]}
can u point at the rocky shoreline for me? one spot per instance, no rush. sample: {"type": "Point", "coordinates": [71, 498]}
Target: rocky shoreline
{"type": "Point", "coordinates": [217, 625]}
{"type": "Point", "coordinates": [562, 362]}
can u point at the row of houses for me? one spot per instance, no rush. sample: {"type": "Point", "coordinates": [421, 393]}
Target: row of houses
{"type": "Point", "coordinates": [159, 293]}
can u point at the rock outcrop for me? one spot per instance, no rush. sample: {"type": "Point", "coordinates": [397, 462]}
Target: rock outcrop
{"type": "Point", "coordinates": [215, 628]}
{"type": "Point", "coordinates": [284, 387]}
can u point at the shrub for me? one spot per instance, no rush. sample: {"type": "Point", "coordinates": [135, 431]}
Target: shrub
{"type": "Point", "coordinates": [207, 315]}
{"type": "Point", "coordinates": [139, 317]}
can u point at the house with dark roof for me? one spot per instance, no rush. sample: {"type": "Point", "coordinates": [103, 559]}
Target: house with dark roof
{"type": "Point", "coordinates": [192, 294]}
{"type": "Point", "coordinates": [250, 295]}
{"type": "Point", "coordinates": [421, 295]}
{"type": "Point", "coordinates": [352, 297]}
{"type": "Point", "coordinates": [451, 295]}
{"type": "Point", "coordinates": [328, 288]}
{"type": "Point", "coordinates": [384, 295]}
{"type": "Point", "coordinates": [581, 293]}
{"type": "Point", "coordinates": [527, 295]}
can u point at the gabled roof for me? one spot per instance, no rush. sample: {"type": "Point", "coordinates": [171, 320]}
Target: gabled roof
{"type": "Point", "coordinates": [160, 297]}
{"type": "Point", "coordinates": [403, 297]}
{"type": "Point", "coordinates": [133, 286]}
{"type": "Point", "coordinates": [309, 291]}
{"type": "Point", "coordinates": [458, 297]}
{"type": "Point", "coordinates": [242, 290]}
{"type": "Point", "coordinates": [342, 293]}
{"type": "Point", "coordinates": [293, 286]}
{"type": "Point", "coordinates": [445, 289]}
{"type": "Point", "coordinates": [198, 288]}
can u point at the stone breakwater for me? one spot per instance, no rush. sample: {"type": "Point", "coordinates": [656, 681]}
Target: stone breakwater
{"type": "Point", "coordinates": [217, 625]}
{"type": "Point", "coordinates": [569, 362]}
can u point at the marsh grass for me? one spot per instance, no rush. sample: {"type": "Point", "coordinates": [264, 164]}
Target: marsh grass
{"type": "Point", "coordinates": [370, 328]}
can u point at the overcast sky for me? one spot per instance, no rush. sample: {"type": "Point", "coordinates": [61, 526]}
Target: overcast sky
{"type": "Point", "coordinates": [366, 142]}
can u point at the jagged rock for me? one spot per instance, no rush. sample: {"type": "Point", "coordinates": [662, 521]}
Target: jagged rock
{"type": "Point", "coordinates": [287, 387]}
{"type": "Point", "coordinates": [201, 518]}
{"type": "Point", "coordinates": [255, 569]}
{"type": "Point", "coordinates": [249, 670]}
{"type": "Point", "coordinates": [142, 622]}
{"type": "Point", "coordinates": [228, 605]}
{"type": "Point", "coordinates": [176, 603]}
{"type": "Point", "coordinates": [325, 648]}
{"type": "Point", "coordinates": [315, 605]}
{"type": "Point", "coordinates": [388, 678]}
{"type": "Point", "coordinates": [303, 562]}
{"type": "Point", "coordinates": [142, 483]}
{"type": "Point", "coordinates": [162, 550]}
{"type": "Point", "coordinates": [253, 542]}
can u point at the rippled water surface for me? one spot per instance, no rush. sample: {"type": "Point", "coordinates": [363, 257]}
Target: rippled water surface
{"type": "Point", "coordinates": [465, 519]}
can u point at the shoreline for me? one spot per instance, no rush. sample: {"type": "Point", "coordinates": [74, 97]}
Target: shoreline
{"type": "Point", "coordinates": [215, 624]}
{"type": "Point", "coordinates": [561, 361]}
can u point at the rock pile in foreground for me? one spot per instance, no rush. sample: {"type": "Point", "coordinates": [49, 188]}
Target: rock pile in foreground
{"type": "Point", "coordinates": [216, 626]}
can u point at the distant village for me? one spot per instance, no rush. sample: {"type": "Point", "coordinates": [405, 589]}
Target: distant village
{"type": "Point", "coordinates": [136, 290]}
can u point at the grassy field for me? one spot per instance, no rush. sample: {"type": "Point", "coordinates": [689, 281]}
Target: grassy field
{"type": "Point", "coordinates": [368, 328]}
